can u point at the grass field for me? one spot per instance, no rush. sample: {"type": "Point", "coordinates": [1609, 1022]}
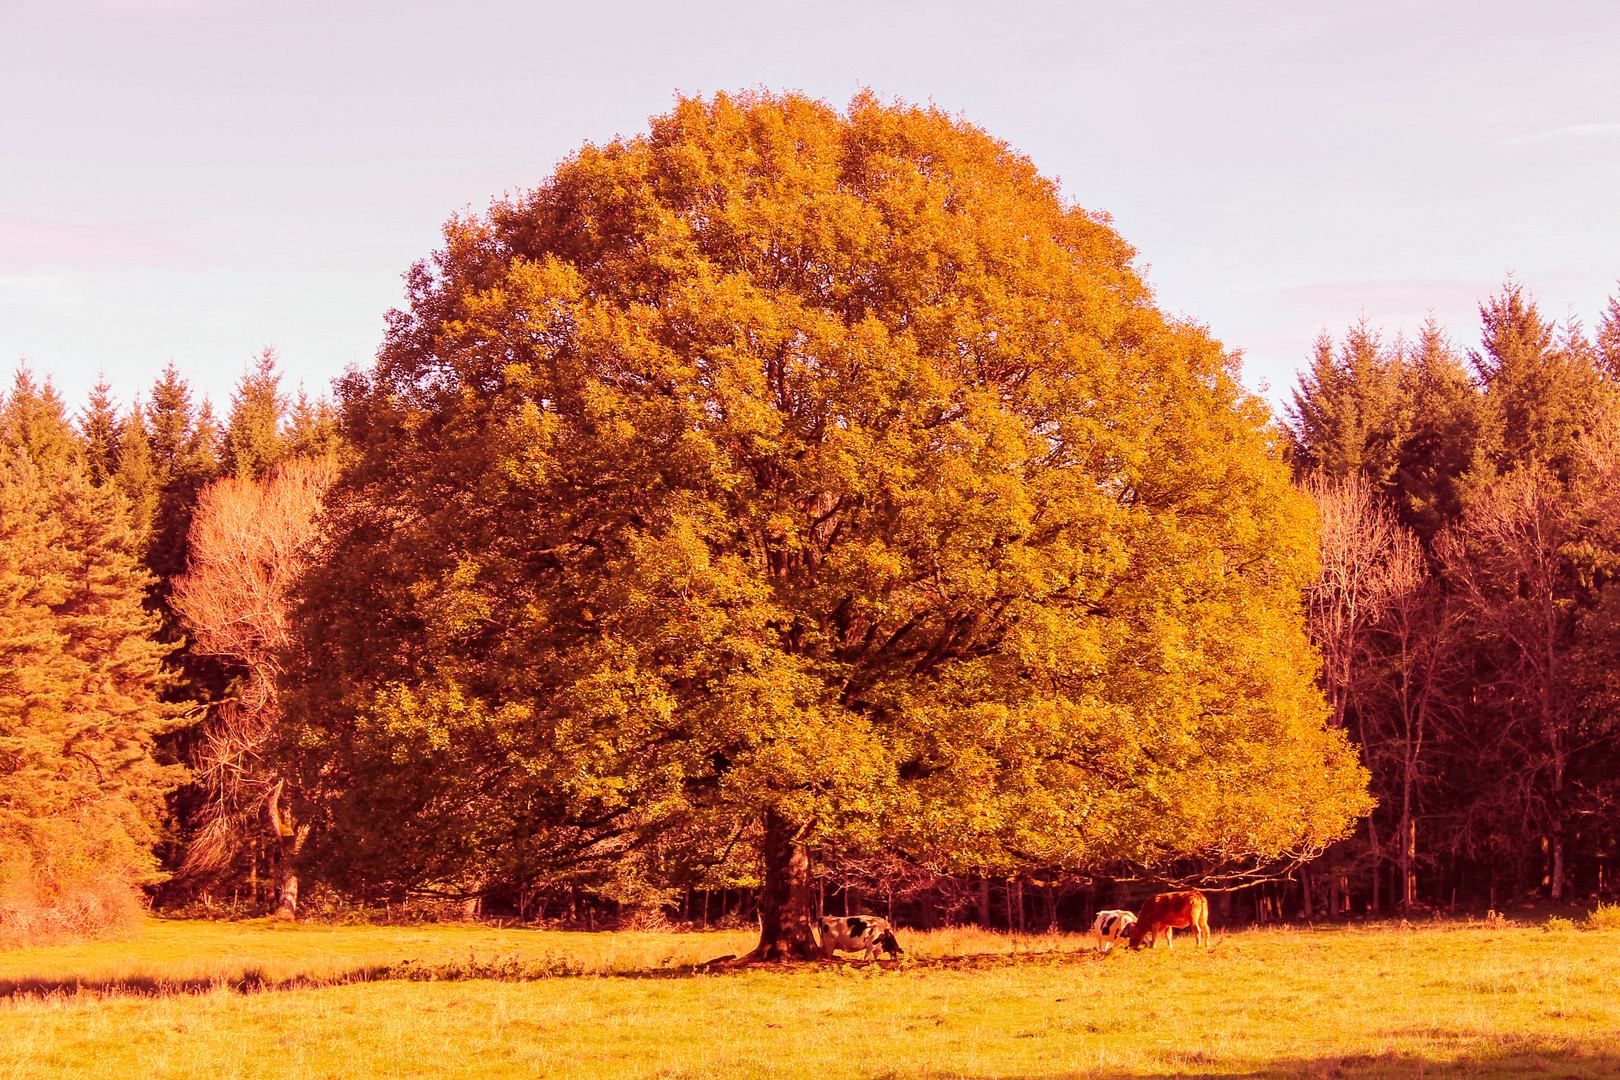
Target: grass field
{"type": "Point", "coordinates": [1360, 1001]}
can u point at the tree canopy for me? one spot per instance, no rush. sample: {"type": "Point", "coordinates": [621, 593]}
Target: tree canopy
{"type": "Point", "coordinates": [816, 478]}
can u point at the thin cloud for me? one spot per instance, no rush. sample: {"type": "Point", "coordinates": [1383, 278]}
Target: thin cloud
{"type": "Point", "coordinates": [167, 5]}
{"type": "Point", "coordinates": [28, 244]}
{"type": "Point", "coordinates": [42, 292]}
{"type": "Point", "coordinates": [1351, 296]}
{"type": "Point", "coordinates": [1606, 129]}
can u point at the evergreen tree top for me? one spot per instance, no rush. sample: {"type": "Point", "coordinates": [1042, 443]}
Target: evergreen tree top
{"type": "Point", "coordinates": [34, 418]}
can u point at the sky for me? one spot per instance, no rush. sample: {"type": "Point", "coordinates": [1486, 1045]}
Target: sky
{"type": "Point", "coordinates": [191, 181]}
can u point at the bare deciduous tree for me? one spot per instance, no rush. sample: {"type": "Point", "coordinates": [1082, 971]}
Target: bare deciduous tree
{"type": "Point", "coordinates": [1419, 633]}
{"type": "Point", "coordinates": [1368, 558]}
{"type": "Point", "coordinates": [1363, 555]}
{"type": "Point", "coordinates": [248, 543]}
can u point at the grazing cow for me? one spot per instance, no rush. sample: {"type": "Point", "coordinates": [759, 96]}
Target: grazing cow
{"type": "Point", "coordinates": [1168, 911]}
{"type": "Point", "coordinates": [858, 933]}
{"type": "Point", "coordinates": [1109, 927]}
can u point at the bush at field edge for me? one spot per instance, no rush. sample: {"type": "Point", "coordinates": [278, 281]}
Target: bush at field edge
{"type": "Point", "coordinates": [89, 908]}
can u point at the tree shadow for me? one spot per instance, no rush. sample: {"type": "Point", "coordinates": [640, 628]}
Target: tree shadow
{"type": "Point", "coordinates": [499, 969]}
{"type": "Point", "coordinates": [1494, 1056]}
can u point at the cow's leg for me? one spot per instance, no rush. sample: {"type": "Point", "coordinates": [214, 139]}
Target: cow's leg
{"type": "Point", "coordinates": [1170, 937]}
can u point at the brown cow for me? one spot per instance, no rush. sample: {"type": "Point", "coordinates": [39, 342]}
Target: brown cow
{"type": "Point", "coordinates": [1169, 910]}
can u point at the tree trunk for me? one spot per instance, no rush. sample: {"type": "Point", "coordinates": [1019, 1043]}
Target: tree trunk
{"type": "Point", "coordinates": [1408, 856]}
{"type": "Point", "coordinates": [290, 841]}
{"type": "Point", "coordinates": [786, 903]}
{"type": "Point", "coordinates": [1305, 891]}
{"type": "Point", "coordinates": [287, 896]}
{"type": "Point", "coordinates": [1377, 856]}
{"type": "Point", "coordinates": [984, 903]}
{"type": "Point", "coordinates": [287, 872]}
{"type": "Point", "coordinates": [1559, 869]}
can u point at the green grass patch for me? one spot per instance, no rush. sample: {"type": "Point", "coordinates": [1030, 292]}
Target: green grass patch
{"type": "Point", "coordinates": [1366, 1001]}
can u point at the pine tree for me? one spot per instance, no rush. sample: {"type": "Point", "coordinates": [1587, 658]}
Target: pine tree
{"type": "Point", "coordinates": [80, 678]}
{"type": "Point", "coordinates": [1543, 390]}
{"type": "Point", "coordinates": [34, 419]}
{"type": "Point", "coordinates": [183, 442]}
{"type": "Point", "coordinates": [1447, 452]}
{"type": "Point", "coordinates": [253, 438]}
{"type": "Point", "coordinates": [1608, 341]}
{"type": "Point", "coordinates": [1348, 415]}
{"type": "Point", "coordinates": [170, 421]}
{"type": "Point", "coordinates": [312, 428]}
{"type": "Point", "coordinates": [102, 432]}
{"type": "Point", "coordinates": [136, 477]}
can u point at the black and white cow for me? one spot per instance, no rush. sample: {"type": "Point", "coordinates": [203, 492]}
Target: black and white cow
{"type": "Point", "coordinates": [1110, 927]}
{"type": "Point", "coordinates": [857, 933]}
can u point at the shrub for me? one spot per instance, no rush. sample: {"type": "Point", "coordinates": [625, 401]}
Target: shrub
{"type": "Point", "coordinates": [1557, 925]}
{"type": "Point", "coordinates": [1604, 917]}
{"type": "Point", "coordinates": [65, 878]}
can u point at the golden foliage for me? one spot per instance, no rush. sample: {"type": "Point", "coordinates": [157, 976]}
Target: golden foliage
{"type": "Point", "coordinates": [820, 462]}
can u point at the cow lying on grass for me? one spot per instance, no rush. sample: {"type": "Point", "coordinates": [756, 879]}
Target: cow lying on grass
{"type": "Point", "coordinates": [1168, 911]}
{"type": "Point", "coordinates": [858, 933]}
{"type": "Point", "coordinates": [1109, 927]}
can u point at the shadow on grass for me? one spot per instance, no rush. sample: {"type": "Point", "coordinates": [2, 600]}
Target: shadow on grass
{"type": "Point", "coordinates": [499, 969]}
{"type": "Point", "coordinates": [255, 980]}
{"type": "Point", "coordinates": [1494, 1056]}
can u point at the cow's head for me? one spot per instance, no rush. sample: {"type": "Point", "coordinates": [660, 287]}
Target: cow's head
{"type": "Point", "coordinates": [1139, 931]}
{"type": "Point", "coordinates": [888, 944]}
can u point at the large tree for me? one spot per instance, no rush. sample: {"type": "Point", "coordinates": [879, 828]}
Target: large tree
{"type": "Point", "coordinates": [800, 478]}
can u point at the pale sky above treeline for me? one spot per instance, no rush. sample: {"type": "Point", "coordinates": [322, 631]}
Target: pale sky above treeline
{"type": "Point", "coordinates": [192, 180]}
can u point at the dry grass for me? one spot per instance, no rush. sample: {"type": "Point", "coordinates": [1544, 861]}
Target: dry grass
{"type": "Point", "coordinates": [1376, 1001]}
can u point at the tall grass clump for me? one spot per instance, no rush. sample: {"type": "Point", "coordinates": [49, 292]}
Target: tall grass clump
{"type": "Point", "coordinates": [1604, 917]}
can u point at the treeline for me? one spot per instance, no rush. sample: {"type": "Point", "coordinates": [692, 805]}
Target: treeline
{"type": "Point", "coordinates": [1466, 613]}
{"type": "Point", "coordinates": [1469, 508]}
{"type": "Point", "coordinates": [104, 695]}
{"type": "Point", "coordinates": [787, 509]}
{"type": "Point", "coordinates": [794, 510]}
